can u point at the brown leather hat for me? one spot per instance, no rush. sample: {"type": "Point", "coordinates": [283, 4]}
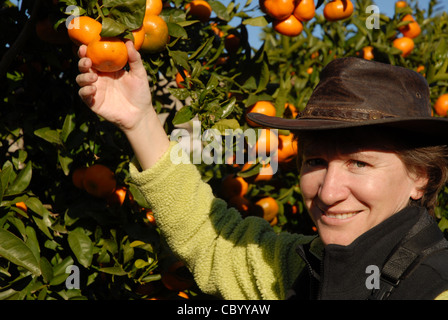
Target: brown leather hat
{"type": "Point", "coordinates": [355, 92]}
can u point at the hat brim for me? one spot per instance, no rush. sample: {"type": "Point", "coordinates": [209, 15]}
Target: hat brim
{"type": "Point", "coordinates": [428, 126]}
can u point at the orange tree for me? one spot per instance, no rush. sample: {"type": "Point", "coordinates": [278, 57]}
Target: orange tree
{"type": "Point", "coordinates": [204, 70]}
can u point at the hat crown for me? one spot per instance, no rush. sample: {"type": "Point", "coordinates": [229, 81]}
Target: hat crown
{"type": "Point", "coordinates": [354, 89]}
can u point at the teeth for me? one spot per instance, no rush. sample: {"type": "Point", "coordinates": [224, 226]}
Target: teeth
{"type": "Point", "coordinates": [342, 216]}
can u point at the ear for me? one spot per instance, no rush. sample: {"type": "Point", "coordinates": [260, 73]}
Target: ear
{"type": "Point", "coordinates": [420, 183]}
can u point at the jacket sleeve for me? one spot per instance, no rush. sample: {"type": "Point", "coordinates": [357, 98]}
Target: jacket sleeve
{"type": "Point", "coordinates": [230, 257]}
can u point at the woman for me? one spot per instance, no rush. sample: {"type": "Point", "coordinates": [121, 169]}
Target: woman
{"type": "Point", "coordinates": [368, 177]}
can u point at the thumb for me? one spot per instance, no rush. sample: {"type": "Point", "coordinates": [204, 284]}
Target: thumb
{"type": "Point", "coordinates": [134, 59]}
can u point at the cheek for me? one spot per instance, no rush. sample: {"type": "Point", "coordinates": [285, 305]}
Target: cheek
{"type": "Point", "coordinates": [309, 185]}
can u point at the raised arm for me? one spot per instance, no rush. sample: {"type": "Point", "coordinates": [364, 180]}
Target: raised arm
{"type": "Point", "coordinates": [124, 99]}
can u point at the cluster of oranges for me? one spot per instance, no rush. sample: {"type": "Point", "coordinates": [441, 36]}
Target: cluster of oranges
{"type": "Point", "coordinates": [109, 54]}
{"type": "Point", "coordinates": [282, 147]}
{"type": "Point", "coordinates": [409, 32]}
{"type": "Point", "coordinates": [289, 15]}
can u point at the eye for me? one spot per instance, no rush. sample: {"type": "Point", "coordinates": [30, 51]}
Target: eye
{"type": "Point", "coordinates": [315, 162]}
{"type": "Point", "coordinates": [358, 164]}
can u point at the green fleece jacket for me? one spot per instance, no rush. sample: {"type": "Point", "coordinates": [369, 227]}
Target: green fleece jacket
{"type": "Point", "coordinates": [230, 257]}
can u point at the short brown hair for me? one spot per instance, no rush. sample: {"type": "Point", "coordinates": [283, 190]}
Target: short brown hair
{"type": "Point", "coordinates": [419, 155]}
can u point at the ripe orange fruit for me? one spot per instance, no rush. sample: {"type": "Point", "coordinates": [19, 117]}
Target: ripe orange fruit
{"type": "Point", "coordinates": [78, 177]}
{"type": "Point", "coordinates": [290, 110]}
{"type": "Point", "coordinates": [199, 9]}
{"type": "Point", "coordinates": [233, 185]}
{"type": "Point", "coordinates": [117, 197]}
{"type": "Point", "coordinates": [405, 44]}
{"type": "Point", "coordinates": [99, 181]}
{"type": "Point", "coordinates": [400, 4]}
{"type": "Point", "coordinates": [305, 10]}
{"type": "Point", "coordinates": [290, 26]}
{"type": "Point", "coordinates": [267, 142]}
{"type": "Point", "coordinates": [107, 54]}
{"type": "Point", "coordinates": [411, 30]}
{"type": "Point", "coordinates": [83, 30]}
{"type": "Point", "coordinates": [242, 204]}
{"type": "Point", "coordinates": [269, 207]}
{"type": "Point", "coordinates": [287, 148]}
{"type": "Point", "coordinates": [441, 105]}
{"type": "Point", "coordinates": [150, 217]}
{"type": "Point", "coordinates": [263, 107]}
{"type": "Point", "coordinates": [139, 36]}
{"type": "Point", "coordinates": [22, 205]}
{"type": "Point", "coordinates": [367, 53]}
{"type": "Point", "coordinates": [156, 34]}
{"type": "Point", "coordinates": [153, 7]}
{"type": "Point", "coordinates": [338, 10]}
{"type": "Point", "coordinates": [265, 174]}
{"type": "Point", "coordinates": [279, 9]}
{"type": "Point", "coordinates": [232, 43]}
{"type": "Point", "coordinates": [180, 79]}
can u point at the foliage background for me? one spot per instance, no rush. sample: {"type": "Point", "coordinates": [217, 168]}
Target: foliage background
{"type": "Point", "coordinates": [46, 133]}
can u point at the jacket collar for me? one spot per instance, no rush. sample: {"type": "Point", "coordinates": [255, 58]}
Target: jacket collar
{"type": "Point", "coordinates": [341, 270]}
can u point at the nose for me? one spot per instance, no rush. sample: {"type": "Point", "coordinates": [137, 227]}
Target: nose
{"type": "Point", "coordinates": [333, 188]}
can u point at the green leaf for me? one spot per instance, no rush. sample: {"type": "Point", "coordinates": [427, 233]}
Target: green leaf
{"type": "Point", "coordinates": [67, 127]}
{"type": "Point", "coordinates": [81, 246]}
{"type": "Point", "coordinates": [49, 135]}
{"type": "Point", "coordinates": [220, 10]}
{"type": "Point", "coordinates": [112, 28]}
{"type": "Point", "coordinates": [118, 271]}
{"type": "Point", "coordinates": [47, 269]}
{"type": "Point", "coordinates": [256, 22]}
{"type": "Point", "coordinates": [183, 115]}
{"type": "Point", "coordinates": [15, 250]}
{"type": "Point", "coordinates": [21, 182]}
{"type": "Point", "coordinates": [176, 31]}
{"type": "Point", "coordinates": [129, 13]}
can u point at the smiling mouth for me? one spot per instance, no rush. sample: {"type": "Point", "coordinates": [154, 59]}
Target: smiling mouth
{"type": "Point", "coordinates": [341, 216]}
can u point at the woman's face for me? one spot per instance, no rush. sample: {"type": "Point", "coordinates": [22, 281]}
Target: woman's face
{"type": "Point", "coordinates": [348, 190]}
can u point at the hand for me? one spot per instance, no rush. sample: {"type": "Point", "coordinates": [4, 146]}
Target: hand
{"type": "Point", "coordinates": [121, 97]}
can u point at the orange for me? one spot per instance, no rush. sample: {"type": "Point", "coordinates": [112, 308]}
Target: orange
{"type": "Point", "coordinates": [156, 34]}
{"type": "Point", "coordinates": [338, 10]}
{"type": "Point", "coordinates": [232, 43]}
{"type": "Point", "coordinates": [263, 107]}
{"type": "Point", "coordinates": [199, 9]}
{"type": "Point", "coordinates": [441, 105]}
{"type": "Point", "coordinates": [400, 4]}
{"type": "Point", "coordinates": [83, 30]}
{"type": "Point", "coordinates": [411, 30]}
{"type": "Point", "coordinates": [305, 10]}
{"type": "Point", "coordinates": [265, 174]}
{"type": "Point", "coordinates": [78, 177]}
{"type": "Point", "coordinates": [153, 7]}
{"type": "Point", "coordinates": [242, 204]}
{"type": "Point", "coordinates": [279, 9]}
{"type": "Point", "coordinates": [269, 207]}
{"type": "Point", "coordinates": [287, 148]}
{"type": "Point", "coordinates": [290, 109]}
{"type": "Point", "coordinates": [22, 205]}
{"type": "Point", "coordinates": [180, 79]}
{"type": "Point", "coordinates": [139, 36]}
{"type": "Point", "coordinates": [99, 181]}
{"type": "Point", "coordinates": [367, 53]}
{"type": "Point", "coordinates": [216, 30]}
{"type": "Point", "coordinates": [267, 142]}
{"type": "Point", "coordinates": [309, 70]}
{"type": "Point", "coordinates": [405, 44]}
{"type": "Point", "coordinates": [177, 277]}
{"type": "Point", "coordinates": [233, 185]}
{"type": "Point", "coordinates": [107, 54]}
{"type": "Point", "coordinates": [150, 217]}
{"type": "Point", "coordinates": [117, 197]}
{"type": "Point", "coordinates": [290, 26]}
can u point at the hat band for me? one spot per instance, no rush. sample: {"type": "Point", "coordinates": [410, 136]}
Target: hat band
{"type": "Point", "coordinates": [338, 113]}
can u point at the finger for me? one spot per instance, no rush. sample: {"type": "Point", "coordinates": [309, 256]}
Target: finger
{"type": "Point", "coordinates": [86, 79]}
{"type": "Point", "coordinates": [82, 51]}
{"type": "Point", "coordinates": [84, 65]}
{"type": "Point", "coordinates": [87, 94]}
{"type": "Point", "coordinates": [135, 60]}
